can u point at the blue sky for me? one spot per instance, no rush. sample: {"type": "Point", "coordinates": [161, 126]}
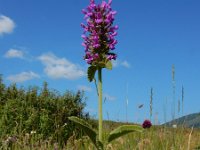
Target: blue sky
{"type": "Point", "coordinates": [41, 41]}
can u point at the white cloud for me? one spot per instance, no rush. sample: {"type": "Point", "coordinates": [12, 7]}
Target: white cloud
{"type": "Point", "coordinates": [125, 64]}
{"type": "Point", "coordinates": [109, 97]}
{"type": "Point", "coordinates": [60, 67]}
{"type": "Point", "coordinates": [117, 63]}
{"type": "Point", "coordinates": [21, 77]}
{"type": "Point", "coordinates": [14, 53]}
{"type": "Point", "coordinates": [6, 25]}
{"type": "Point", "coordinates": [84, 88]}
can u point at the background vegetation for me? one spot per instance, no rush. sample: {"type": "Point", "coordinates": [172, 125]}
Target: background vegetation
{"type": "Point", "coordinates": [42, 112]}
{"type": "Point", "coordinates": [36, 118]}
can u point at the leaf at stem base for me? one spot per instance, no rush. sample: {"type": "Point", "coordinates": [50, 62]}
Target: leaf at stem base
{"type": "Point", "coordinates": [85, 127]}
{"type": "Point", "coordinates": [123, 130]}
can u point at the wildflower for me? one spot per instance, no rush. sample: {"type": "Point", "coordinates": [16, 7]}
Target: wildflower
{"type": "Point", "coordinates": [174, 126]}
{"type": "Point", "coordinates": [99, 33]}
{"type": "Point", "coordinates": [33, 132]}
{"type": "Point", "coordinates": [146, 124]}
{"type": "Point", "coordinates": [99, 39]}
{"type": "Point", "coordinates": [65, 124]}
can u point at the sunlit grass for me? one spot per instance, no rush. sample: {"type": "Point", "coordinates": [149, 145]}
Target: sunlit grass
{"type": "Point", "coordinates": [157, 137]}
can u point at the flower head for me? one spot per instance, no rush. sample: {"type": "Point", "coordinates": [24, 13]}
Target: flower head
{"type": "Point", "coordinates": [99, 33]}
{"type": "Point", "coordinates": [174, 126]}
{"type": "Point", "coordinates": [146, 124]}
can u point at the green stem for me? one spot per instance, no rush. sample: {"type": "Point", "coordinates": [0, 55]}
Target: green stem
{"type": "Point", "coordinates": [100, 104]}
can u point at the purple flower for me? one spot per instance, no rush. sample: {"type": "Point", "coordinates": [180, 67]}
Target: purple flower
{"type": "Point", "coordinates": [112, 56]}
{"type": "Point", "coordinates": [99, 32]}
{"type": "Point", "coordinates": [146, 124]}
{"type": "Point", "coordinates": [114, 34]}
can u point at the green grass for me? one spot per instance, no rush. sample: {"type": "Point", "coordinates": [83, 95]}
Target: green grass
{"type": "Point", "coordinates": [155, 138]}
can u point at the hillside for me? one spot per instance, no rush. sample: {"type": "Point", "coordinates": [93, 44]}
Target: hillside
{"type": "Point", "coordinates": [191, 120]}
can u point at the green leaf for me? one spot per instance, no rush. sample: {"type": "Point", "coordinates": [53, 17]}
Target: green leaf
{"type": "Point", "coordinates": [91, 72]}
{"type": "Point", "coordinates": [123, 130]}
{"type": "Point", "coordinates": [86, 128]}
{"type": "Point", "coordinates": [109, 65]}
{"type": "Point", "coordinates": [101, 64]}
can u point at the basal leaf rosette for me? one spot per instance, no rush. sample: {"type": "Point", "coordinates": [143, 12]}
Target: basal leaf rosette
{"type": "Point", "coordinates": [99, 34]}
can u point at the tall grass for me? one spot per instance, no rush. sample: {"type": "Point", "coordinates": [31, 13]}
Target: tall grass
{"type": "Point", "coordinates": [173, 93]}
{"type": "Point", "coordinates": [151, 103]}
{"type": "Point", "coordinates": [155, 138]}
{"type": "Point", "coordinates": [182, 98]}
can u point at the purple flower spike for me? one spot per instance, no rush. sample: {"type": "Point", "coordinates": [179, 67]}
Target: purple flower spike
{"type": "Point", "coordinates": [91, 1]}
{"type": "Point", "coordinates": [113, 12]}
{"type": "Point", "coordinates": [84, 11]}
{"type": "Point", "coordinates": [98, 21]}
{"type": "Point", "coordinates": [99, 32]}
{"type": "Point", "coordinates": [103, 4]}
{"type": "Point", "coordinates": [114, 34]}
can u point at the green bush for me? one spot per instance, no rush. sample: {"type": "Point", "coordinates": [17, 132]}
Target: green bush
{"type": "Point", "coordinates": [42, 110]}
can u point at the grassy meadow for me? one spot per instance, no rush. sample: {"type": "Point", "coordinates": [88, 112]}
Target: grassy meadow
{"type": "Point", "coordinates": [37, 119]}
{"type": "Point", "coordinates": [155, 138]}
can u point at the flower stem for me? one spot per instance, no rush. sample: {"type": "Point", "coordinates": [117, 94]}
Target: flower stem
{"type": "Point", "coordinates": [100, 104]}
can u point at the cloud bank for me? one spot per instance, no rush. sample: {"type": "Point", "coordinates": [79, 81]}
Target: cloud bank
{"type": "Point", "coordinates": [22, 77]}
{"type": "Point", "coordinates": [7, 25]}
{"type": "Point", "coordinates": [14, 53]}
{"type": "Point", "coordinates": [125, 63]}
{"type": "Point", "coordinates": [57, 68]}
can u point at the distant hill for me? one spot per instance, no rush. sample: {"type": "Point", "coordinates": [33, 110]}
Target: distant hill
{"type": "Point", "coordinates": [192, 120]}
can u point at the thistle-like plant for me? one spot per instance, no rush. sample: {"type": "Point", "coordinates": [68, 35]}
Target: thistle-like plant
{"type": "Point", "coordinates": [99, 42]}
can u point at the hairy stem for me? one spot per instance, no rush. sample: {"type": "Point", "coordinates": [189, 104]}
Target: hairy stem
{"type": "Point", "coordinates": [100, 104]}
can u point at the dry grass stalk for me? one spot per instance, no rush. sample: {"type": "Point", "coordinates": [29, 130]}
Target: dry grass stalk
{"type": "Point", "coordinates": [189, 140]}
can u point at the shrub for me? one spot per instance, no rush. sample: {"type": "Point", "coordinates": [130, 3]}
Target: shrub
{"type": "Point", "coordinates": [42, 110]}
